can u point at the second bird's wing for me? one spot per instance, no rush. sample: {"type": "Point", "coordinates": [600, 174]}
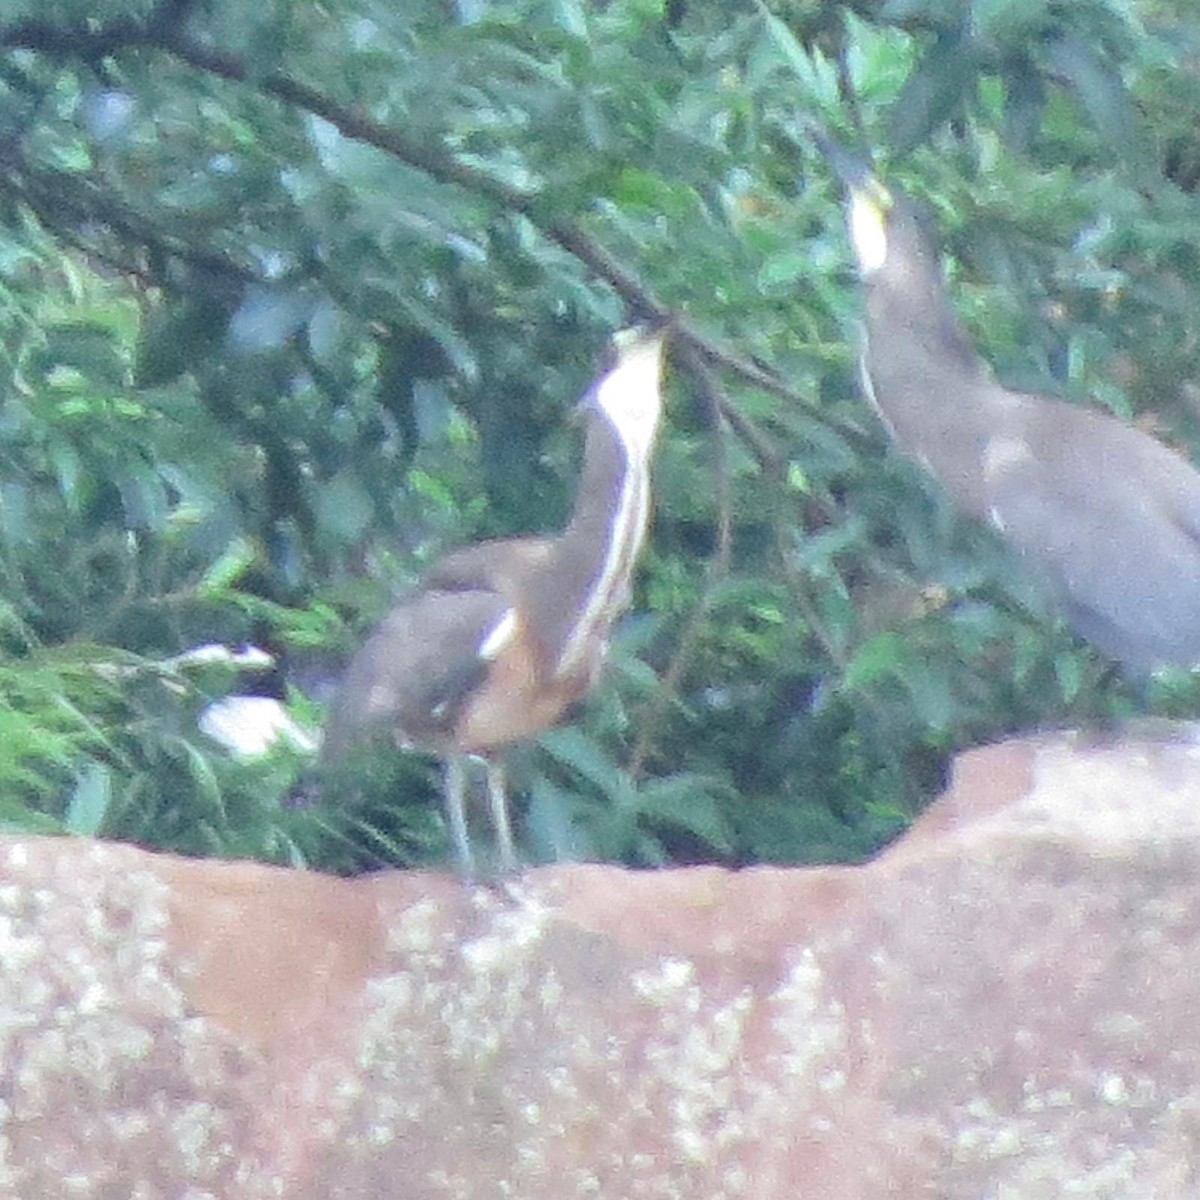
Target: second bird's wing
{"type": "Point", "coordinates": [1115, 516]}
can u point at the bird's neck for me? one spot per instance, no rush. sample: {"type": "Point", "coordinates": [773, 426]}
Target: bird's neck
{"type": "Point", "coordinates": [930, 388]}
{"type": "Point", "coordinates": [593, 560]}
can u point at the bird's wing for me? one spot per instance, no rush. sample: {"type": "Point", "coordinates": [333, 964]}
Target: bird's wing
{"type": "Point", "coordinates": [1177, 484]}
{"type": "Point", "coordinates": [1114, 517]}
{"type": "Point", "coordinates": [487, 566]}
{"type": "Point", "coordinates": [417, 668]}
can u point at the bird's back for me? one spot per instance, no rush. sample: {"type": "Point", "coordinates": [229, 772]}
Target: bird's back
{"type": "Point", "coordinates": [1114, 515]}
{"type": "Point", "coordinates": [415, 670]}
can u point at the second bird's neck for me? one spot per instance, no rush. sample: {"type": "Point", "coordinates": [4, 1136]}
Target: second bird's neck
{"type": "Point", "coordinates": [931, 389]}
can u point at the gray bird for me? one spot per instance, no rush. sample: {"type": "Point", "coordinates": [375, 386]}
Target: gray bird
{"type": "Point", "coordinates": [1104, 511]}
{"type": "Point", "coordinates": [500, 640]}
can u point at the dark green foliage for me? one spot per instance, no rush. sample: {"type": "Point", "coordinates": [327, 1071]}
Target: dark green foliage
{"type": "Point", "coordinates": [294, 298]}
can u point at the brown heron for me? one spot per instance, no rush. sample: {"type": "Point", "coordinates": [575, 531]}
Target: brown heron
{"type": "Point", "coordinates": [501, 639]}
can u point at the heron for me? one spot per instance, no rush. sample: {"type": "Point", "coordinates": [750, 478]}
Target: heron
{"type": "Point", "coordinates": [502, 639]}
{"type": "Point", "coordinates": [1106, 512]}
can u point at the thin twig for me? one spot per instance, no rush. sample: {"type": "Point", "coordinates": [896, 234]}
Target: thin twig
{"type": "Point", "coordinates": [716, 570]}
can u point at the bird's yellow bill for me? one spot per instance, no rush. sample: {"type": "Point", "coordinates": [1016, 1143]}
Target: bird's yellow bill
{"type": "Point", "coordinates": [869, 205]}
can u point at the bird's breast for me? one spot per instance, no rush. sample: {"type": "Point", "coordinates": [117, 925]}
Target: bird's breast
{"type": "Point", "coordinates": [518, 699]}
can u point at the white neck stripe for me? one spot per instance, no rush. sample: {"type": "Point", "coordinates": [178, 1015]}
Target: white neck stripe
{"type": "Point", "coordinates": [625, 536]}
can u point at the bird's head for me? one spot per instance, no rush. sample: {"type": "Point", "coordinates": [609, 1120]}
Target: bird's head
{"type": "Point", "coordinates": [896, 252]}
{"type": "Point", "coordinates": [628, 390]}
{"type": "Point", "coordinates": [887, 232]}
{"type": "Point", "coordinates": [871, 205]}
{"type": "Point", "coordinates": [873, 211]}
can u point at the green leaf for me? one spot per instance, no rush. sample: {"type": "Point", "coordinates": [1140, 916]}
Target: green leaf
{"type": "Point", "coordinates": [179, 337]}
{"type": "Point", "coordinates": [936, 90]}
{"type": "Point", "coordinates": [876, 658]}
{"type": "Point", "coordinates": [816, 75]}
{"type": "Point", "coordinates": [1102, 92]}
{"type": "Point", "coordinates": [688, 802]}
{"type": "Point", "coordinates": [227, 568]}
{"type": "Point", "coordinates": [573, 748]}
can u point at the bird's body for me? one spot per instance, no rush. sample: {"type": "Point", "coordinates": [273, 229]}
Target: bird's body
{"type": "Point", "coordinates": [1107, 513]}
{"type": "Point", "coordinates": [1119, 529]}
{"type": "Point", "coordinates": [500, 640]}
{"type": "Point", "coordinates": [1104, 511]}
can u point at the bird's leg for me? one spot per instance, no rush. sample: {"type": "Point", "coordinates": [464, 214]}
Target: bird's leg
{"type": "Point", "coordinates": [498, 800]}
{"type": "Point", "coordinates": [455, 791]}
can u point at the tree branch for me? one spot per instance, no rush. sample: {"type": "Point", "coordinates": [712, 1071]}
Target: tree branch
{"type": "Point", "coordinates": [441, 165]}
{"type": "Point", "coordinates": [716, 569]}
{"type": "Point", "coordinates": [437, 162]}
